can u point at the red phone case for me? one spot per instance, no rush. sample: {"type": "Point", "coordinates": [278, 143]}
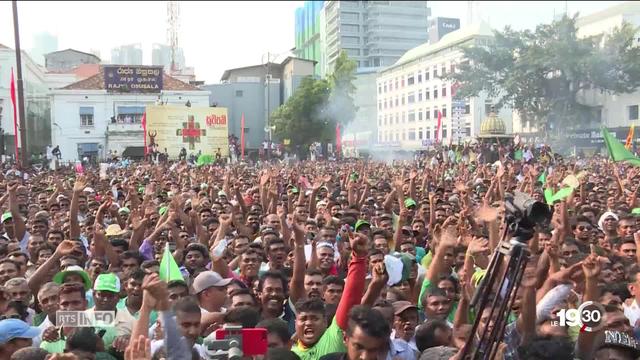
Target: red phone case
{"type": "Point", "coordinates": [254, 340]}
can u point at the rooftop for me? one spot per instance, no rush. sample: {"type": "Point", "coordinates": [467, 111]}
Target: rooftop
{"type": "Point", "coordinates": [227, 73]}
{"type": "Point", "coordinates": [449, 40]}
{"type": "Point", "coordinates": [73, 50]}
{"type": "Point", "coordinates": [629, 7]}
{"type": "Point", "coordinates": [96, 82]}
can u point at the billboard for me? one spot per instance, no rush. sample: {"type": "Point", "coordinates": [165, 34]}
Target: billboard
{"type": "Point", "coordinates": [133, 79]}
{"type": "Point", "coordinates": [195, 129]}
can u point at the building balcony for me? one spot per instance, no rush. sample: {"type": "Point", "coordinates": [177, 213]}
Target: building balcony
{"type": "Point", "coordinates": [125, 129]}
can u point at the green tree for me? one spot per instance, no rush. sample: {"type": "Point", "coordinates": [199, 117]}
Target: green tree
{"type": "Point", "coordinates": [544, 73]}
{"type": "Point", "coordinates": [302, 118]}
{"type": "Point", "coordinates": [341, 108]}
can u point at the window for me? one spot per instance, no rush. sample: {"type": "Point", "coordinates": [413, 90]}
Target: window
{"type": "Point", "coordinates": [402, 82]}
{"type": "Point", "coordinates": [435, 113]}
{"type": "Point", "coordinates": [444, 111]}
{"type": "Point", "coordinates": [444, 91]}
{"type": "Point", "coordinates": [427, 114]}
{"type": "Point", "coordinates": [419, 95]}
{"type": "Point", "coordinates": [385, 119]}
{"type": "Point", "coordinates": [412, 116]}
{"type": "Point", "coordinates": [385, 103]}
{"type": "Point", "coordinates": [435, 93]}
{"type": "Point", "coordinates": [427, 95]}
{"type": "Point", "coordinates": [444, 133]}
{"type": "Point", "coordinates": [420, 134]}
{"type": "Point", "coordinates": [239, 93]}
{"type": "Point", "coordinates": [396, 101]}
{"type": "Point", "coordinates": [467, 109]}
{"type": "Point", "coordinates": [633, 112]}
{"type": "Point", "coordinates": [129, 114]}
{"type": "Point", "coordinates": [435, 72]}
{"type": "Point", "coordinates": [411, 98]}
{"type": "Point", "coordinates": [397, 87]}
{"type": "Point", "coordinates": [410, 80]}
{"type": "Point", "coordinates": [379, 105]}
{"type": "Point", "coordinates": [420, 115]}
{"type": "Point", "coordinates": [385, 87]}
{"type": "Point", "coordinates": [404, 117]}
{"type": "Point", "coordinates": [487, 108]}
{"type": "Point", "coordinates": [397, 118]}
{"type": "Point", "coordinates": [426, 75]}
{"type": "Point", "coordinates": [427, 134]}
{"type": "Point", "coordinates": [443, 70]}
{"type": "Point", "coordinates": [412, 134]}
{"type": "Point", "coordinates": [86, 116]}
{"type": "Point", "coordinates": [402, 99]}
{"type": "Point", "coordinates": [379, 89]}
{"type": "Point", "coordinates": [379, 120]}
{"type": "Point", "coordinates": [452, 68]}
{"type": "Point", "coordinates": [419, 77]}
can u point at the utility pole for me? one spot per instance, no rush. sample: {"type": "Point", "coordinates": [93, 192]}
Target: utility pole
{"type": "Point", "coordinates": [24, 162]}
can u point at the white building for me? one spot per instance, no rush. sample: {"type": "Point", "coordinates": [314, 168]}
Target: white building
{"type": "Point", "coordinates": [622, 109]}
{"type": "Point", "coordinates": [410, 94]}
{"type": "Point", "coordinates": [86, 120]}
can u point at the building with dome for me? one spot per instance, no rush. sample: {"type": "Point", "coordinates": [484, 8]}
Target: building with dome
{"type": "Point", "coordinates": [412, 93]}
{"type": "Point", "coordinates": [493, 129]}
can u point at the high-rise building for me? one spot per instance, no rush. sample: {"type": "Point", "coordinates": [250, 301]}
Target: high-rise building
{"type": "Point", "coordinates": [307, 32]}
{"type": "Point", "coordinates": [43, 43]}
{"type": "Point", "coordinates": [441, 26]}
{"type": "Point", "coordinates": [161, 55]}
{"type": "Point", "coordinates": [373, 33]}
{"type": "Point", "coordinates": [127, 55]}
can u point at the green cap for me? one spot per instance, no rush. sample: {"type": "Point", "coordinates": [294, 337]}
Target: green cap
{"type": "Point", "coordinates": [635, 211]}
{"type": "Point", "coordinates": [360, 223]}
{"type": "Point", "coordinates": [140, 189]}
{"type": "Point", "coordinates": [163, 210]}
{"type": "Point", "coordinates": [222, 193]}
{"type": "Point", "coordinates": [107, 282]}
{"type": "Point", "coordinates": [409, 202]}
{"type": "Point", "coordinates": [73, 269]}
{"type": "Point", "coordinates": [294, 190]}
{"type": "Point", "coordinates": [6, 216]}
{"type": "Point", "coordinates": [124, 210]}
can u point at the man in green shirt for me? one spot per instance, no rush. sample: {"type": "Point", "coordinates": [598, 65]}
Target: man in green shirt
{"type": "Point", "coordinates": [71, 298]}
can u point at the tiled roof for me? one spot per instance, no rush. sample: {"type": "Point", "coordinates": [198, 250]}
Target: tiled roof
{"type": "Point", "coordinates": [96, 82]}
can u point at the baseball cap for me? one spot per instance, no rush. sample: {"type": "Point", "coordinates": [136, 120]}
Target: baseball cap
{"type": "Point", "coordinates": [107, 282]}
{"type": "Point", "coordinates": [409, 202]}
{"type": "Point", "coordinates": [208, 279]}
{"type": "Point", "coordinates": [6, 216]}
{"type": "Point", "coordinates": [163, 210]}
{"type": "Point", "coordinates": [361, 223]}
{"type": "Point", "coordinates": [124, 210]}
{"type": "Point", "coordinates": [401, 306]}
{"type": "Point", "coordinates": [617, 339]}
{"type": "Point", "coordinates": [16, 329]}
{"type": "Point", "coordinates": [74, 269]}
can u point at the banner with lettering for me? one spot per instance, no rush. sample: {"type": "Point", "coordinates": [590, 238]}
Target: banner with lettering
{"type": "Point", "coordinates": [133, 78]}
{"type": "Point", "coordinates": [203, 130]}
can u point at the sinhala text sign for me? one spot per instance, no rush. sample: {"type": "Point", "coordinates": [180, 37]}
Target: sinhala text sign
{"type": "Point", "coordinates": [133, 79]}
{"type": "Point", "coordinates": [195, 129]}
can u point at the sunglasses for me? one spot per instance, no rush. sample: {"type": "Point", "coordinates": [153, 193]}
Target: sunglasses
{"type": "Point", "coordinates": [585, 228]}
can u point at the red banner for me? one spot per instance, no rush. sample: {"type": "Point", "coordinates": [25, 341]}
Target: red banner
{"type": "Point", "coordinates": [15, 114]}
{"type": "Point", "coordinates": [242, 136]}
{"type": "Point", "coordinates": [144, 131]}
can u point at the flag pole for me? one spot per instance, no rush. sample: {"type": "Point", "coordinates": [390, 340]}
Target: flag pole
{"type": "Point", "coordinates": [23, 125]}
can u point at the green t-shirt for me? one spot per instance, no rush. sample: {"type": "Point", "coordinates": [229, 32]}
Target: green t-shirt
{"type": "Point", "coordinates": [54, 347]}
{"type": "Point", "coordinates": [330, 342]}
{"type": "Point", "coordinates": [39, 318]}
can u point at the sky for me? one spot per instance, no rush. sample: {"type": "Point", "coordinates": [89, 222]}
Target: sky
{"type": "Point", "coordinates": [222, 35]}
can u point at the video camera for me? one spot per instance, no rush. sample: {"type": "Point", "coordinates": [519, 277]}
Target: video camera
{"type": "Point", "coordinates": [234, 342]}
{"type": "Point", "coordinates": [523, 214]}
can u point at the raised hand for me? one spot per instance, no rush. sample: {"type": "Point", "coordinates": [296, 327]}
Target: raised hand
{"type": "Point", "coordinates": [379, 274]}
{"type": "Point", "coordinates": [80, 184]}
{"type": "Point", "coordinates": [66, 247]}
{"type": "Point", "coordinates": [359, 243]}
{"type": "Point", "coordinates": [138, 349]}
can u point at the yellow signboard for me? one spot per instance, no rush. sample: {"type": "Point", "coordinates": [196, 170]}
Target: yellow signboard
{"type": "Point", "coordinates": [195, 129]}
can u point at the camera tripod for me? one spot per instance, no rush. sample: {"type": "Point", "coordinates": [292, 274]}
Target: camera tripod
{"type": "Point", "coordinates": [500, 298]}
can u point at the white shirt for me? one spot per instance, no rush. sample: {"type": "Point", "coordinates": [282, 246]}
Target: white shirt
{"type": "Point", "coordinates": [632, 312]}
{"type": "Point", "coordinates": [42, 327]}
{"type": "Point", "coordinates": [157, 344]}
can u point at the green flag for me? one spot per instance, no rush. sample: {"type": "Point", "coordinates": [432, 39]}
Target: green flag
{"type": "Point", "coordinates": [204, 160]}
{"type": "Point", "coordinates": [617, 151]}
{"type": "Point", "coordinates": [561, 194]}
{"type": "Point", "coordinates": [543, 177]}
{"type": "Point", "coordinates": [169, 270]}
{"type": "Point", "coordinates": [548, 196]}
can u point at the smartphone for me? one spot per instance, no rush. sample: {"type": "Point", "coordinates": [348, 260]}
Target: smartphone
{"type": "Point", "coordinates": [254, 340]}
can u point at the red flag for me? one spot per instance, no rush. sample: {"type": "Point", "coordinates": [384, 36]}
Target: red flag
{"type": "Point", "coordinates": [144, 131]}
{"type": "Point", "coordinates": [15, 114]}
{"type": "Point", "coordinates": [242, 136]}
{"type": "Point", "coordinates": [338, 140]}
{"type": "Point", "coordinates": [439, 126]}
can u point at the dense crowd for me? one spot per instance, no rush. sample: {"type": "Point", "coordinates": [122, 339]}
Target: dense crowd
{"type": "Point", "coordinates": [348, 259]}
